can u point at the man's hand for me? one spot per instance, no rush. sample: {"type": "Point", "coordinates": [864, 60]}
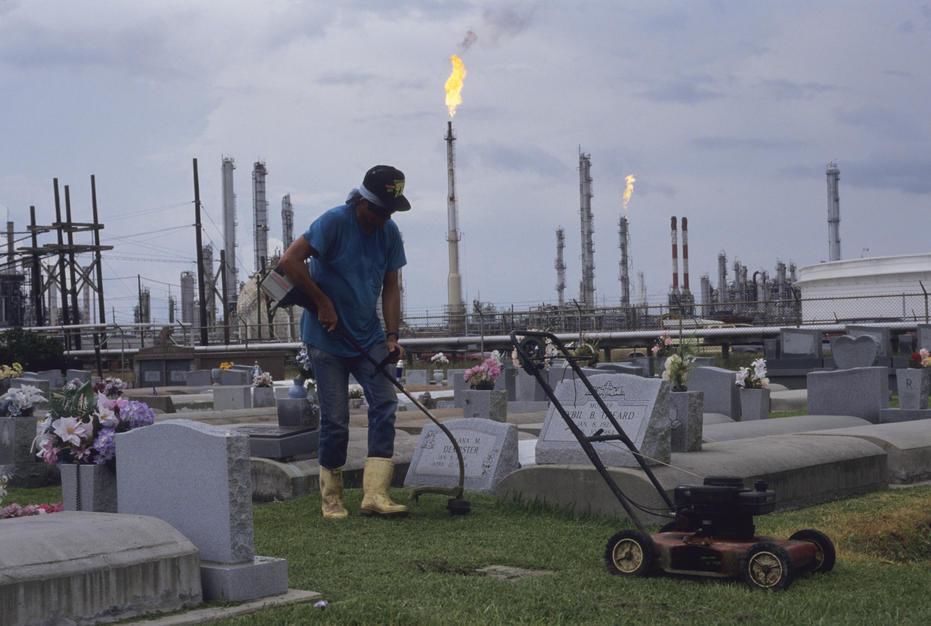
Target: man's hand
{"type": "Point", "coordinates": [326, 313]}
{"type": "Point", "coordinates": [394, 347]}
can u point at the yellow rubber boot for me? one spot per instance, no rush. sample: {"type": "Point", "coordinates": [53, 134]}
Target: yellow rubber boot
{"type": "Point", "coordinates": [375, 482]}
{"type": "Point", "coordinates": [331, 492]}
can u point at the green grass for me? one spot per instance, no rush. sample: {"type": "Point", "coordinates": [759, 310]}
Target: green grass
{"type": "Point", "coordinates": [421, 570]}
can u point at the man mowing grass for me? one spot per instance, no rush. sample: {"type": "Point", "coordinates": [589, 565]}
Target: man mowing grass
{"type": "Point", "coordinates": [355, 252]}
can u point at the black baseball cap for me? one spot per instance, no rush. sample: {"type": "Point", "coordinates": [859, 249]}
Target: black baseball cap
{"type": "Point", "coordinates": [383, 185]}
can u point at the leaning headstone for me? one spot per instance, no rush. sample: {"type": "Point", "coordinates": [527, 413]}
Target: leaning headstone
{"type": "Point", "coordinates": [489, 453]}
{"type": "Point", "coordinates": [859, 392]}
{"type": "Point", "coordinates": [849, 352]}
{"type": "Point", "coordinates": [880, 334]}
{"type": "Point", "coordinates": [231, 398]}
{"type": "Point", "coordinates": [198, 479]}
{"type": "Point", "coordinates": [720, 390]}
{"type": "Point", "coordinates": [686, 419]}
{"type": "Point", "coordinates": [639, 405]}
{"type": "Point", "coordinates": [800, 343]}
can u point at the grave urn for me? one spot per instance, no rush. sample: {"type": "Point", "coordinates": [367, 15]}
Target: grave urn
{"type": "Point", "coordinates": [263, 397]}
{"type": "Point", "coordinates": [88, 487]}
{"type": "Point", "coordinates": [439, 376]}
{"type": "Point", "coordinates": [754, 404]}
{"type": "Point", "coordinates": [485, 403]}
{"type": "Point", "coordinates": [912, 384]}
{"type": "Point", "coordinates": [297, 388]}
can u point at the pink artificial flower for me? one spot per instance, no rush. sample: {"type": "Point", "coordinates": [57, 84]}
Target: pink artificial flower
{"type": "Point", "coordinates": [655, 349]}
{"type": "Point", "coordinates": [48, 452]}
{"type": "Point", "coordinates": [70, 430]}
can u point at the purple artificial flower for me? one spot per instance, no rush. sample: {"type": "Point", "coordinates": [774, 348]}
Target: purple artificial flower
{"type": "Point", "coordinates": [137, 414]}
{"type": "Point", "coordinates": [104, 446]}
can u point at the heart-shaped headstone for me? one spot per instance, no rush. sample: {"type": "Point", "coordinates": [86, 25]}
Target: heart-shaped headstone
{"type": "Point", "coordinates": [849, 352]}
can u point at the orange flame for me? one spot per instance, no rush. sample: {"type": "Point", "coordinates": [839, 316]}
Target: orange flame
{"type": "Point", "coordinates": [454, 84]}
{"type": "Point", "coordinates": [629, 191]}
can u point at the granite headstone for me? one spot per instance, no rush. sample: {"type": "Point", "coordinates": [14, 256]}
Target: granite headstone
{"type": "Point", "coordinates": [489, 453]}
{"type": "Point", "coordinates": [880, 334]}
{"type": "Point", "coordinates": [639, 405]}
{"type": "Point", "coordinates": [800, 343]}
{"type": "Point", "coordinates": [848, 351]}
{"type": "Point", "coordinates": [720, 389]}
{"type": "Point", "coordinates": [860, 392]}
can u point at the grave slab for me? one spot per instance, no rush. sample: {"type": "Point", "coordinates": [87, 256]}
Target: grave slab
{"type": "Point", "coordinates": [891, 416]}
{"type": "Point", "coordinates": [907, 445]}
{"type": "Point", "coordinates": [74, 567]}
{"type": "Point", "coordinates": [639, 405]}
{"type": "Point", "coordinates": [489, 453]}
{"type": "Point", "coordinates": [779, 426]}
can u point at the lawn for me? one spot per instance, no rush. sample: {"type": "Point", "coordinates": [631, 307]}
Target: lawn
{"type": "Point", "coordinates": [422, 570]}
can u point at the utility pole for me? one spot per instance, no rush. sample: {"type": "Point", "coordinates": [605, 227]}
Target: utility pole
{"type": "Point", "coordinates": [200, 260]}
{"type": "Point", "coordinates": [65, 318]}
{"type": "Point", "coordinates": [226, 306]}
{"type": "Point", "coordinates": [75, 311]}
{"type": "Point", "coordinates": [139, 297]}
{"type": "Point", "coordinates": [37, 303]}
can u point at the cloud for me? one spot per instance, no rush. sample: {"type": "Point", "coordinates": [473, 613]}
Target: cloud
{"type": "Point", "coordinates": [743, 143]}
{"type": "Point", "coordinates": [512, 158]}
{"type": "Point", "coordinates": [879, 120]}
{"type": "Point", "coordinates": [684, 91]}
{"type": "Point", "coordinates": [793, 90]}
{"type": "Point", "coordinates": [346, 78]}
{"type": "Point", "coordinates": [908, 175]}
{"type": "Point", "coordinates": [502, 22]}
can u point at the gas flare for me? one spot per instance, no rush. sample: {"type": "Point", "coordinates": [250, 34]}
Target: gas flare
{"type": "Point", "coordinates": [629, 191]}
{"type": "Point", "coordinates": [454, 84]}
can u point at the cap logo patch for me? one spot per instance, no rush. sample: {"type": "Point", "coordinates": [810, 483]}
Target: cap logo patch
{"type": "Point", "coordinates": [396, 187]}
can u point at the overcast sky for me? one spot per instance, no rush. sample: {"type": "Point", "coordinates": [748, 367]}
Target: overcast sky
{"type": "Point", "coordinates": [725, 111]}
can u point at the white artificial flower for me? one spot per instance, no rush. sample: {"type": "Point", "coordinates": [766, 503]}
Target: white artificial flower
{"type": "Point", "coordinates": [70, 430]}
{"type": "Point", "coordinates": [108, 418]}
{"type": "Point", "coordinates": [742, 376]}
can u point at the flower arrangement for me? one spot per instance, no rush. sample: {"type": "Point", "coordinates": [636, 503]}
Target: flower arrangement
{"type": "Point", "coordinates": [355, 392]}
{"type": "Point", "coordinates": [226, 365]}
{"type": "Point", "coordinates": [4, 479]}
{"type": "Point", "coordinates": [676, 371]}
{"type": "Point", "coordinates": [753, 377]}
{"type": "Point", "coordinates": [110, 387]}
{"type": "Point", "coordinates": [439, 360]}
{"type": "Point", "coordinates": [11, 371]}
{"type": "Point", "coordinates": [662, 345]}
{"type": "Point", "coordinates": [82, 424]}
{"type": "Point", "coordinates": [18, 510]}
{"type": "Point", "coordinates": [20, 401]}
{"type": "Point", "coordinates": [919, 359]}
{"type": "Point", "coordinates": [263, 379]}
{"type": "Point", "coordinates": [587, 352]}
{"type": "Point", "coordinates": [483, 375]}
{"type": "Point", "coordinates": [304, 364]}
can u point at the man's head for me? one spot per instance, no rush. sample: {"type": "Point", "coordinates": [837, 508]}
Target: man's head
{"type": "Point", "coordinates": [383, 187]}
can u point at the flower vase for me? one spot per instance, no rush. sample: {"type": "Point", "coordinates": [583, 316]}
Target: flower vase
{"type": "Point", "coordinates": [297, 389]}
{"type": "Point", "coordinates": [88, 487]}
{"type": "Point", "coordinates": [912, 386]}
{"type": "Point", "coordinates": [754, 404]}
{"type": "Point", "coordinates": [438, 376]}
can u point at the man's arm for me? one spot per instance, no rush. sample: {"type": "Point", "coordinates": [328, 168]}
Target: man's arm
{"type": "Point", "coordinates": [391, 309]}
{"type": "Point", "coordinates": [294, 264]}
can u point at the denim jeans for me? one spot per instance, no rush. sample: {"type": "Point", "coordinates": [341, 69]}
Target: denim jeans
{"type": "Point", "coordinates": [332, 376]}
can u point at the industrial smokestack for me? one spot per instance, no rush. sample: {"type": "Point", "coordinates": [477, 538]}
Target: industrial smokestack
{"type": "Point", "coordinates": [706, 299]}
{"type": "Point", "coordinates": [685, 254]}
{"type": "Point", "coordinates": [454, 282]}
{"type": "Point", "coordinates": [833, 174]}
{"type": "Point", "coordinates": [675, 256]}
{"type": "Point", "coordinates": [187, 297]}
{"type": "Point", "coordinates": [641, 281]}
{"type": "Point", "coordinates": [260, 214]}
{"type": "Point", "coordinates": [229, 236]}
{"type": "Point", "coordinates": [587, 286]}
{"type": "Point", "coordinates": [287, 221]}
{"type": "Point", "coordinates": [560, 266]}
{"type": "Point", "coordinates": [722, 277]}
{"type": "Point", "coordinates": [624, 234]}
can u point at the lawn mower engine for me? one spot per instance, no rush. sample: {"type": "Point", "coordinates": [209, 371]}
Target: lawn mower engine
{"type": "Point", "coordinates": [714, 535]}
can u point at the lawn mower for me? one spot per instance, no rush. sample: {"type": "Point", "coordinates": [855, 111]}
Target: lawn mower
{"type": "Point", "coordinates": [711, 531]}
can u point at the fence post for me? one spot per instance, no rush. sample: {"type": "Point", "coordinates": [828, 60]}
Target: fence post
{"type": "Point", "coordinates": [926, 300]}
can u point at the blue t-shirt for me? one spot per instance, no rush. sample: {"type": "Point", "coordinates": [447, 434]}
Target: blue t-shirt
{"type": "Point", "coordinates": [350, 269]}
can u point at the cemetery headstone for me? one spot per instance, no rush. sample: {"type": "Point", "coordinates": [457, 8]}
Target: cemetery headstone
{"type": "Point", "coordinates": [156, 471]}
{"type": "Point", "coordinates": [231, 398]}
{"type": "Point", "coordinates": [416, 377]}
{"type": "Point", "coordinates": [459, 386]}
{"type": "Point", "coordinates": [83, 375]}
{"type": "Point", "coordinates": [40, 383]}
{"type": "Point", "coordinates": [800, 343]}
{"type": "Point", "coordinates": [859, 392]}
{"type": "Point", "coordinates": [198, 378]}
{"type": "Point", "coordinates": [489, 453]}
{"type": "Point", "coordinates": [528, 389]}
{"type": "Point", "coordinates": [924, 337]}
{"type": "Point", "coordinates": [849, 352]}
{"type": "Point", "coordinates": [488, 404]}
{"type": "Point", "coordinates": [236, 376]}
{"type": "Point", "coordinates": [507, 382]}
{"type": "Point", "coordinates": [639, 405]}
{"type": "Point", "coordinates": [720, 390]}
{"type": "Point", "coordinates": [686, 410]}
{"type": "Point", "coordinates": [622, 368]}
